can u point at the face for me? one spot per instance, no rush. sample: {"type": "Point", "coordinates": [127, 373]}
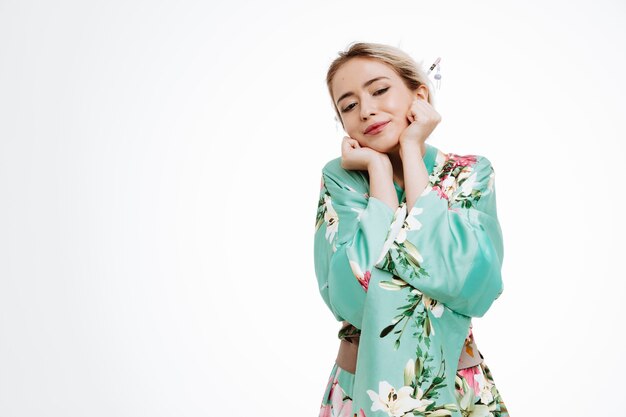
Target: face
{"type": "Point", "coordinates": [367, 93]}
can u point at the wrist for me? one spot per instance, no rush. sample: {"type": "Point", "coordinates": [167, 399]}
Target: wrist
{"type": "Point", "coordinates": [380, 166]}
{"type": "Point", "coordinates": [412, 149]}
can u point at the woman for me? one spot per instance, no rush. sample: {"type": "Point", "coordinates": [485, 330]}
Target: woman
{"type": "Point", "coordinates": [408, 249]}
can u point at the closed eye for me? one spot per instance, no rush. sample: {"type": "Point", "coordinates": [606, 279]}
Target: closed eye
{"type": "Point", "coordinates": [348, 107]}
{"type": "Point", "coordinates": [381, 91]}
{"type": "Point", "coordinates": [376, 93]}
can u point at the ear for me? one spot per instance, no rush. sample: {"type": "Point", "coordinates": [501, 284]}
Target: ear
{"type": "Point", "coordinates": [421, 92]}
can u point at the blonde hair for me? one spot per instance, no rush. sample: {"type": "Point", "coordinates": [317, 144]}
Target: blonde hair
{"type": "Point", "coordinates": [410, 71]}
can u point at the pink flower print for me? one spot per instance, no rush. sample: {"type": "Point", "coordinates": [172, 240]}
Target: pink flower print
{"type": "Point", "coordinates": [363, 278]}
{"type": "Point", "coordinates": [338, 407]}
{"type": "Point", "coordinates": [463, 160]}
{"type": "Point", "coordinates": [440, 192]}
{"type": "Point", "coordinates": [468, 374]}
{"type": "Point", "coordinates": [325, 411]}
{"type": "Point", "coordinates": [365, 281]}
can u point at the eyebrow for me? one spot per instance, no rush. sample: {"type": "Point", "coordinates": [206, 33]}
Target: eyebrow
{"type": "Point", "coordinates": [350, 93]}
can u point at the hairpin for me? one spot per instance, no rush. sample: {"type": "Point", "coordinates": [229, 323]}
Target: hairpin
{"type": "Point", "coordinates": [438, 74]}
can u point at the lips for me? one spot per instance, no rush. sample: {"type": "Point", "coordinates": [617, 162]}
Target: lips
{"type": "Point", "coordinates": [375, 127]}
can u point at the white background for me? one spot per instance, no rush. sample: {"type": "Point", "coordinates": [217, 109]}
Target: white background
{"type": "Point", "coordinates": [159, 174]}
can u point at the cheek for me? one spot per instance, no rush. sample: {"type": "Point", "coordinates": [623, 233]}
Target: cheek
{"type": "Point", "coordinates": [398, 104]}
{"type": "Point", "coordinates": [351, 128]}
{"type": "Point", "coordinates": [400, 109]}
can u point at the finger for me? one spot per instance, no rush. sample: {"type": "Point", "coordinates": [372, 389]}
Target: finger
{"type": "Point", "coordinates": [416, 109]}
{"type": "Point", "coordinates": [419, 104]}
{"type": "Point", "coordinates": [409, 113]}
{"type": "Point", "coordinates": [347, 144]}
{"type": "Point", "coordinates": [353, 142]}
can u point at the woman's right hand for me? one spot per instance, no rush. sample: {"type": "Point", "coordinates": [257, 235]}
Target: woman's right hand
{"type": "Point", "coordinates": [355, 157]}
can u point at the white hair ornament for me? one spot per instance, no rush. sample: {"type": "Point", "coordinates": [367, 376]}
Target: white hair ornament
{"type": "Point", "coordinates": [438, 74]}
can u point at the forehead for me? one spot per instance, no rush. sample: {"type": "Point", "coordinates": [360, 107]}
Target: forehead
{"type": "Point", "coordinates": [351, 75]}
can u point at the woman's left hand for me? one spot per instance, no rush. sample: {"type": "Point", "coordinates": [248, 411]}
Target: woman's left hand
{"type": "Point", "coordinates": [423, 118]}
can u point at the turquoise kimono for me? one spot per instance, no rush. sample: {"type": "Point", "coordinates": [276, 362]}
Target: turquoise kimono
{"type": "Point", "coordinates": [409, 281]}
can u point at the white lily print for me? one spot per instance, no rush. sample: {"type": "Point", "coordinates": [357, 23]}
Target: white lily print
{"type": "Point", "coordinates": [468, 407]}
{"type": "Point", "coordinates": [363, 278]}
{"type": "Point", "coordinates": [399, 227]}
{"type": "Point", "coordinates": [339, 407]}
{"type": "Point", "coordinates": [434, 306]}
{"type": "Point", "coordinates": [486, 396]}
{"type": "Point", "coordinates": [356, 270]}
{"type": "Point", "coordinates": [448, 185]}
{"type": "Point", "coordinates": [410, 223]}
{"type": "Point", "coordinates": [480, 410]}
{"type": "Point", "coordinates": [469, 184]}
{"type": "Point", "coordinates": [396, 403]}
{"type": "Point", "coordinates": [394, 229]}
{"type": "Point", "coordinates": [492, 178]}
{"type": "Point", "coordinates": [332, 221]}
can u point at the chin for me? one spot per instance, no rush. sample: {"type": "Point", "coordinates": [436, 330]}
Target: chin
{"type": "Point", "coordinates": [390, 143]}
{"type": "Point", "coordinates": [388, 148]}
{"type": "Point", "coordinates": [383, 144]}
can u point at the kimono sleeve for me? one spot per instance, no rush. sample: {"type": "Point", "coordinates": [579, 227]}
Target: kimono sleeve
{"type": "Point", "coordinates": [450, 245]}
{"type": "Point", "coordinates": [325, 243]}
{"type": "Point", "coordinates": [351, 229]}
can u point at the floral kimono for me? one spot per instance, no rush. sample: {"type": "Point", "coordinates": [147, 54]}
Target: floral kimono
{"type": "Point", "coordinates": [407, 282]}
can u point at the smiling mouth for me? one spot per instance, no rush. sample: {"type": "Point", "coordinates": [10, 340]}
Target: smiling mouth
{"type": "Point", "coordinates": [376, 129]}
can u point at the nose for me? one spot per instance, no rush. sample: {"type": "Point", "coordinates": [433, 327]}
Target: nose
{"type": "Point", "coordinates": [367, 108]}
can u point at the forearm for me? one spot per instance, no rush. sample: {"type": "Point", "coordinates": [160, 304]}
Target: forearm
{"type": "Point", "coordinates": [415, 172]}
{"type": "Point", "coordinates": [381, 183]}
